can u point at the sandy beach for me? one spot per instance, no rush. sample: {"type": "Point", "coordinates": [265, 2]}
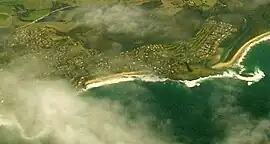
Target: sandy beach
{"type": "Point", "coordinates": [113, 76]}
{"type": "Point", "coordinates": [243, 51]}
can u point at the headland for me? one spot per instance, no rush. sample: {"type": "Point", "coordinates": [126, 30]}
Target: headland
{"type": "Point", "coordinates": [84, 44]}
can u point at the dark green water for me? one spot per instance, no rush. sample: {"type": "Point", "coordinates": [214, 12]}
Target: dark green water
{"type": "Point", "coordinates": [218, 111]}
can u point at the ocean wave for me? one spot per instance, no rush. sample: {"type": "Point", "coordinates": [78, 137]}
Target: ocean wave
{"type": "Point", "coordinates": [249, 47]}
{"type": "Point", "coordinates": [239, 63]}
{"type": "Point", "coordinates": [125, 78]}
{"type": "Point", "coordinates": [256, 76]}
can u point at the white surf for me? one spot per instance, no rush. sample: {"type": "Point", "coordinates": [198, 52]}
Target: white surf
{"type": "Point", "coordinates": [256, 76]}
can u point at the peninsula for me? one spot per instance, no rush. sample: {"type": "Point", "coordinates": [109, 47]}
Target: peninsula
{"type": "Point", "coordinates": [69, 47]}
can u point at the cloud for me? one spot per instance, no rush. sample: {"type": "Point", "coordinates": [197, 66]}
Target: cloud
{"type": "Point", "coordinates": [241, 127]}
{"type": "Point", "coordinates": [48, 111]}
{"type": "Point", "coordinates": [130, 20]}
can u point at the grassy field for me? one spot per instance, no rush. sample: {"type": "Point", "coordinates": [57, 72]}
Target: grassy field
{"type": "Point", "coordinates": [209, 3]}
{"type": "Point", "coordinates": [5, 16]}
{"type": "Point", "coordinates": [36, 14]}
{"type": "Point", "coordinates": [5, 20]}
{"type": "Point", "coordinates": [37, 4]}
{"type": "Point", "coordinates": [10, 2]}
{"type": "Point", "coordinates": [59, 26]}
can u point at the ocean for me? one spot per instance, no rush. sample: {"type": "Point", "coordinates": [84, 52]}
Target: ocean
{"type": "Point", "coordinates": [218, 110]}
{"type": "Point", "coordinates": [228, 108]}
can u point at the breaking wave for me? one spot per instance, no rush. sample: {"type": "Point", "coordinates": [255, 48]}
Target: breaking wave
{"type": "Point", "coordinates": [251, 78]}
{"type": "Point", "coordinates": [249, 47]}
{"type": "Point", "coordinates": [254, 77]}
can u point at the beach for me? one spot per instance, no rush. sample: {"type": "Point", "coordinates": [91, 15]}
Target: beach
{"type": "Point", "coordinates": [236, 60]}
{"type": "Point", "coordinates": [222, 109]}
{"type": "Point", "coordinates": [243, 50]}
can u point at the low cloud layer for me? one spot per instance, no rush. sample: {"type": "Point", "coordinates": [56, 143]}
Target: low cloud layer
{"type": "Point", "coordinates": [241, 127]}
{"type": "Point", "coordinates": [36, 111]}
{"type": "Point", "coordinates": [130, 20]}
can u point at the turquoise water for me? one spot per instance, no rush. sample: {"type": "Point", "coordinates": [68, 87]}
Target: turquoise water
{"type": "Point", "coordinates": [218, 111]}
{"type": "Point", "coordinates": [256, 99]}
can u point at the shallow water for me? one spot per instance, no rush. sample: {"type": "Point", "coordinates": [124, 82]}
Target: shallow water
{"type": "Point", "coordinates": [218, 111]}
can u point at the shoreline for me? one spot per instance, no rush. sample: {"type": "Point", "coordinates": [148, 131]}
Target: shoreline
{"type": "Point", "coordinates": [131, 76]}
{"type": "Point", "coordinates": [112, 76]}
{"type": "Point", "coordinates": [242, 52]}
{"type": "Point", "coordinates": [236, 60]}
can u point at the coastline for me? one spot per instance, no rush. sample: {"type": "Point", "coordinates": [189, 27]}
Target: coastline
{"type": "Point", "coordinates": [242, 52]}
{"type": "Point", "coordinates": [117, 75]}
{"type": "Point", "coordinates": [236, 60]}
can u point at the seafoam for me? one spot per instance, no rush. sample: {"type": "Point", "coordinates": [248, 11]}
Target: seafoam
{"type": "Point", "coordinates": [256, 76]}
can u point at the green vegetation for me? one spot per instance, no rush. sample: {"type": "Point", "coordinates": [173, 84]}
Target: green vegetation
{"type": "Point", "coordinates": [232, 44]}
{"type": "Point", "coordinates": [6, 10]}
{"type": "Point", "coordinates": [256, 22]}
{"type": "Point", "coordinates": [78, 52]}
{"type": "Point", "coordinates": [35, 15]}
{"type": "Point", "coordinates": [5, 20]}
{"type": "Point", "coordinates": [37, 4]}
{"type": "Point", "coordinates": [3, 17]}
{"type": "Point", "coordinates": [205, 4]}
{"type": "Point", "coordinates": [10, 2]}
